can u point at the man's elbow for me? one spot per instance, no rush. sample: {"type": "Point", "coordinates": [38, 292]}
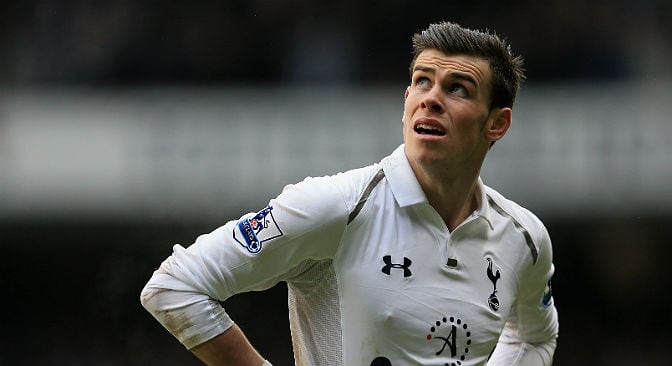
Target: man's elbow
{"type": "Point", "coordinates": [146, 296]}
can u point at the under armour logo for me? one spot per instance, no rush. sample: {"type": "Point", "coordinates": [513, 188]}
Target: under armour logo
{"type": "Point", "coordinates": [493, 301]}
{"type": "Point", "coordinates": [381, 361]}
{"type": "Point", "coordinates": [389, 265]}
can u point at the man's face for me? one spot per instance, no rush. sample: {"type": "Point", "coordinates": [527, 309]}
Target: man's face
{"type": "Point", "coordinates": [447, 117]}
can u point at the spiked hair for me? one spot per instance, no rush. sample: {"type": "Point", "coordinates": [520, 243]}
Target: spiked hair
{"type": "Point", "coordinates": [452, 39]}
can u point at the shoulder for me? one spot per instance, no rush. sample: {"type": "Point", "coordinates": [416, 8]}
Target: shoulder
{"type": "Point", "coordinates": [524, 216]}
{"type": "Point", "coordinates": [316, 209]}
{"type": "Point", "coordinates": [526, 222]}
{"type": "Point", "coordinates": [346, 186]}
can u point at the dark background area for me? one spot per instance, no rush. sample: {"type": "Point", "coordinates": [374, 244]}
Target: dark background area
{"type": "Point", "coordinates": [126, 42]}
{"type": "Point", "coordinates": [71, 287]}
{"type": "Point", "coordinates": [72, 294]}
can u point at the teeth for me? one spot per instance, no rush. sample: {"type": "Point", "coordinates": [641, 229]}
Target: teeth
{"type": "Point", "coordinates": [429, 129]}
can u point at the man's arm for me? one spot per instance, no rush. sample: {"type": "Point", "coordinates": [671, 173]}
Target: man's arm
{"type": "Point", "coordinates": [198, 321]}
{"type": "Point", "coordinates": [253, 253]}
{"type": "Point", "coordinates": [511, 350]}
{"type": "Point", "coordinates": [230, 348]}
{"type": "Point", "coordinates": [529, 336]}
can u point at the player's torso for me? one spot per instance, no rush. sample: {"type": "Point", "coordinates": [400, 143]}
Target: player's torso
{"type": "Point", "coordinates": [412, 293]}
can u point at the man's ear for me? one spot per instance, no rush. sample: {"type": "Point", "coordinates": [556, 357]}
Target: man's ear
{"type": "Point", "coordinates": [405, 97]}
{"type": "Point", "coordinates": [499, 123]}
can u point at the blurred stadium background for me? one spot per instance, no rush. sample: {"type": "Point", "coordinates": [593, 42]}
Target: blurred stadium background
{"type": "Point", "coordinates": [128, 126]}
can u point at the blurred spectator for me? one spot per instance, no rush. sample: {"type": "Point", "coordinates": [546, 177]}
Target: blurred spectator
{"type": "Point", "coordinates": [131, 42]}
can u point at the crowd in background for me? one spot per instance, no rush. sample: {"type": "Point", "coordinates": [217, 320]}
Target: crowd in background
{"type": "Point", "coordinates": [346, 41]}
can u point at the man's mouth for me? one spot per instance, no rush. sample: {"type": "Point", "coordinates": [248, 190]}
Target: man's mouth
{"type": "Point", "coordinates": [427, 129]}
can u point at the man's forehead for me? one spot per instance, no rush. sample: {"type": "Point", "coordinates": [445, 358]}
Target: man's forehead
{"type": "Point", "coordinates": [477, 66]}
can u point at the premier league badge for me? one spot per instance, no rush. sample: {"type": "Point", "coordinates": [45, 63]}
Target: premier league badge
{"type": "Point", "coordinates": [252, 232]}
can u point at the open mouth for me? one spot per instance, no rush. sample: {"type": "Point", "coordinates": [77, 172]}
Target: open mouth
{"type": "Point", "coordinates": [426, 129]}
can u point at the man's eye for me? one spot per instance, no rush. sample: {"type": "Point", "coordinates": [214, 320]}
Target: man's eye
{"type": "Point", "coordinates": [458, 89]}
{"type": "Point", "coordinates": [422, 82]}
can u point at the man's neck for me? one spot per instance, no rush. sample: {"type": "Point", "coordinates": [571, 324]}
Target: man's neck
{"type": "Point", "coordinates": [453, 196]}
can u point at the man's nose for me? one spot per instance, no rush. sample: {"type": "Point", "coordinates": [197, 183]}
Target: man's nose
{"type": "Point", "coordinates": [432, 101]}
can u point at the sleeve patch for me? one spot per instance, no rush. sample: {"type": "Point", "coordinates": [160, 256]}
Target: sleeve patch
{"type": "Point", "coordinates": [252, 232]}
{"type": "Point", "coordinates": [547, 300]}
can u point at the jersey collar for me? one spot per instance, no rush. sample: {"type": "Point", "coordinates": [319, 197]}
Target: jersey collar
{"type": "Point", "coordinates": [403, 183]}
{"type": "Point", "coordinates": [406, 188]}
{"type": "Point", "coordinates": [483, 203]}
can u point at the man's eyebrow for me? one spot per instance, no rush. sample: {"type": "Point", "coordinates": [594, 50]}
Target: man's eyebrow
{"type": "Point", "coordinates": [455, 74]}
{"type": "Point", "coordinates": [462, 76]}
{"type": "Point", "coordinates": [426, 69]}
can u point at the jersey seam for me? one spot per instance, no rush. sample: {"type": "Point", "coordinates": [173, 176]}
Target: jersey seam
{"type": "Point", "coordinates": [370, 187]}
{"type": "Point", "coordinates": [529, 241]}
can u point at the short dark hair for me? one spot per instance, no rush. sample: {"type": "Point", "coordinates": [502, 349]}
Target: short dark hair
{"type": "Point", "coordinates": [452, 39]}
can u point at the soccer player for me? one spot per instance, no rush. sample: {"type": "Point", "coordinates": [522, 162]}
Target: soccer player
{"type": "Point", "coordinates": [409, 261]}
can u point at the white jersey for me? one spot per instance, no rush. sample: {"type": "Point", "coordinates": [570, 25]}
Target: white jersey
{"type": "Point", "coordinates": [374, 275]}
